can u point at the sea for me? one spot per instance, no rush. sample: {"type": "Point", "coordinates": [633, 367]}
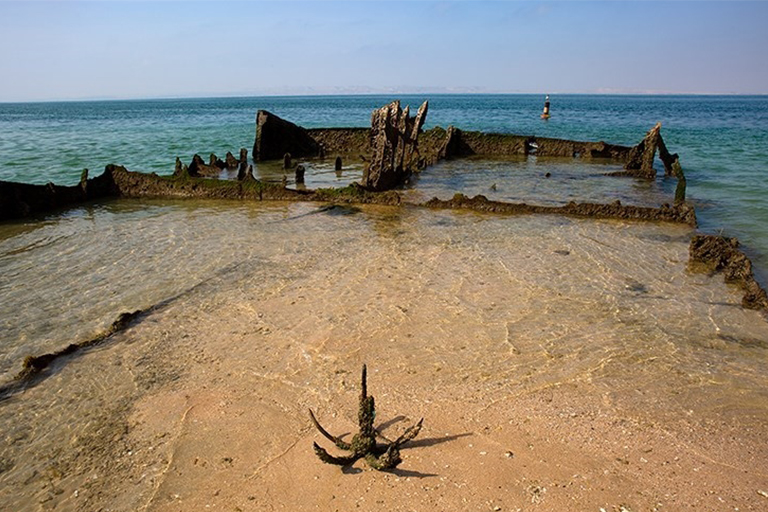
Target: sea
{"type": "Point", "coordinates": [722, 140]}
{"type": "Point", "coordinates": [516, 303]}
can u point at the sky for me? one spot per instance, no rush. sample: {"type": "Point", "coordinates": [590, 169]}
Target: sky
{"type": "Point", "coordinates": [108, 49]}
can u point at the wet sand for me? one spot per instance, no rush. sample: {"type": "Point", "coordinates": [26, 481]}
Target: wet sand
{"type": "Point", "coordinates": [552, 372]}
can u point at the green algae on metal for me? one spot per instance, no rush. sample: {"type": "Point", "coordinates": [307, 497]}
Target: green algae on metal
{"type": "Point", "coordinates": [363, 445]}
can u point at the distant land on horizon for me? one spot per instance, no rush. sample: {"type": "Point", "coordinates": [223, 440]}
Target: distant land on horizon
{"type": "Point", "coordinates": [377, 92]}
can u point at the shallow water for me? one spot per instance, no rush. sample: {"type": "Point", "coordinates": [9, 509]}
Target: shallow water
{"type": "Point", "coordinates": [68, 276]}
{"type": "Point", "coordinates": [319, 173]}
{"type": "Point", "coordinates": [538, 181]}
{"type": "Point", "coordinates": [130, 255]}
{"type": "Point", "coordinates": [722, 140]}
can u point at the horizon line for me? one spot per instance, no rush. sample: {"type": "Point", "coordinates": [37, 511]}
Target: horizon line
{"type": "Point", "coordinates": [361, 94]}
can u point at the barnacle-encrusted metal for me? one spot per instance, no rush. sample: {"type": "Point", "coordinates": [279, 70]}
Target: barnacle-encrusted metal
{"type": "Point", "coordinates": [363, 445]}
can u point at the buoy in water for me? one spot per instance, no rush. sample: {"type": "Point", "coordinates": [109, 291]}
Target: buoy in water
{"type": "Point", "coordinates": [545, 114]}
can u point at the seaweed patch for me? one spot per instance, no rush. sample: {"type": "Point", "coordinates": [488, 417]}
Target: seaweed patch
{"type": "Point", "coordinates": [33, 366]}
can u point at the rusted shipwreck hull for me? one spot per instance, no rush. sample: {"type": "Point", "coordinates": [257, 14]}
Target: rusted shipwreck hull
{"type": "Point", "coordinates": [393, 126]}
{"type": "Point", "coordinates": [117, 181]}
{"type": "Point", "coordinates": [393, 147]}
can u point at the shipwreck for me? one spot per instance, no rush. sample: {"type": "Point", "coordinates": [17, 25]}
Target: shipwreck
{"type": "Point", "coordinates": [393, 148]}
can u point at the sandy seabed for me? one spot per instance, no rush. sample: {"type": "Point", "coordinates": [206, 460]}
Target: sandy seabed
{"type": "Point", "coordinates": [552, 372]}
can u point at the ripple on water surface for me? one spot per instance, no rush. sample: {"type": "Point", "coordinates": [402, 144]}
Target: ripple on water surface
{"type": "Point", "coordinates": [489, 307]}
{"type": "Point", "coordinates": [539, 181]}
{"type": "Point", "coordinates": [566, 286]}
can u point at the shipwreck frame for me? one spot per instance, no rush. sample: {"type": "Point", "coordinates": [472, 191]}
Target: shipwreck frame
{"type": "Point", "coordinates": [393, 148]}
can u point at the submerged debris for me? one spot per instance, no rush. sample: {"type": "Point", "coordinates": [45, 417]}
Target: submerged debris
{"type": "Point", "coordinates": [231, 161]}
{"type": "Point", "coordinates": [679, 213]}
{"type": "Point", "coordinates": [394, 146]}
{"type": "Point", "coordinates": [721, 254]}
{"type": "Point", "coordinates": [363, 445]}
{"type": "Point", "coordinates": [199, 168]}
{"type": "Point", "coordinates": [33, 366]}
{"type": "Point", "coordinates": [300, 170]}
{"type": "Point", "coordinates": [639, 161]}
{"type": "Point", "coordinates": [275, 137]}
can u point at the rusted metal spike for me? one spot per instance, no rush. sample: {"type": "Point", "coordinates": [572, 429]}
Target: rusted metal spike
{"type": "Point", "coordinates": [364, 391]}
{"type": "Point", "coordinates": [335, 440]}
{"type": "Point", "coordinates": [330, 459]}
{"type": "Point", "coordinates": [409, 434]}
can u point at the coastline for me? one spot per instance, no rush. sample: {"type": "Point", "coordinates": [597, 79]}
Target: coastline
{"type": "Point", "coordinates": [205, 401]}
{"type": "Point", "coordinates": [560, 362]}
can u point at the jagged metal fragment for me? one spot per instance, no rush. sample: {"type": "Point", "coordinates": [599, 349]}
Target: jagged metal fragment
{"type": "Point", "coordinates": [363, 445]}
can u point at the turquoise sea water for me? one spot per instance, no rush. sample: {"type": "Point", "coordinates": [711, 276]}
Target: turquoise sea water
{"type": "Point", "coordinates": [722, 140]}
{"type": "Point", "coordinates": [255, 311]}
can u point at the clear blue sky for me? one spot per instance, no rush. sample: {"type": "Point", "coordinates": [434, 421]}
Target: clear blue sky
{"type": "Point", "coordinates": [83, 50]}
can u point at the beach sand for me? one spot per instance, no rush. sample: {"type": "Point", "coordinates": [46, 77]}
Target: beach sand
{"type": "Point", "coordinates": [552, 372]}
